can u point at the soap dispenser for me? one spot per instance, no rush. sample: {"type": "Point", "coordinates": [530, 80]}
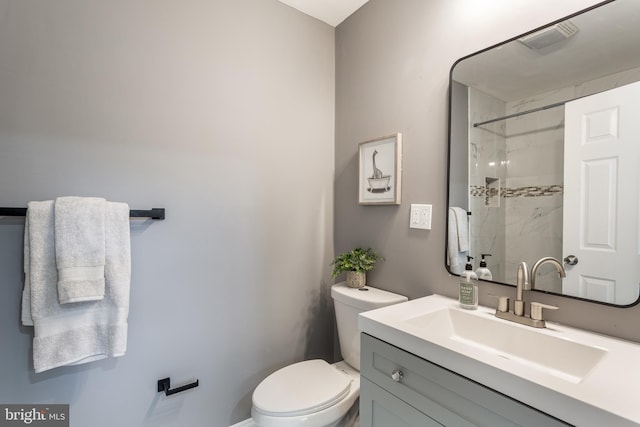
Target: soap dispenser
{"type": "Point", "coordinates": [468, 294]}
{"type": "Point", "coordinates": [483, 272]}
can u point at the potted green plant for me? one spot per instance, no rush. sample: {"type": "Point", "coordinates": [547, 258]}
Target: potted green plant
{"type": "Point", "coordinates": [355, 263]}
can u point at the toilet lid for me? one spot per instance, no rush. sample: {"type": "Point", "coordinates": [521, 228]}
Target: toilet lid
{"type": "Point", "coordinates": [300, 389]}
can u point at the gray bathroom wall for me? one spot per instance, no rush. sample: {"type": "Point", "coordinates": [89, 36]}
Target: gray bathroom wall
{"type": "Point", "coordinates": [392, 69]}
{"type": "Point", "coordinates": [222, 112]}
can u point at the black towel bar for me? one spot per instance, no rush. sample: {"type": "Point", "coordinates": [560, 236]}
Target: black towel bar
{"type": "Point", "coordinates": [155, 213]}
{"type": "Point", "coordinates": [165, 385]}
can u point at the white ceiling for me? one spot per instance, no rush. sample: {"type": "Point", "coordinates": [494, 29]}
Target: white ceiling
{"type": "Point", "coordinates": [333, 12]}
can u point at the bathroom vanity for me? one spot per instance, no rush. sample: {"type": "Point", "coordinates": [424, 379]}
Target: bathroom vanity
{"type": "Point", "coordinates": [427, 362]}
{"type": "Point", "coordinates": [395, 382]}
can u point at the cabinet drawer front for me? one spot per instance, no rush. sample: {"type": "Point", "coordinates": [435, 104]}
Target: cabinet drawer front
{"type": "Point", "coordinates": [379, 408]}
{"type": "Point", "coordinates": [443, 395]}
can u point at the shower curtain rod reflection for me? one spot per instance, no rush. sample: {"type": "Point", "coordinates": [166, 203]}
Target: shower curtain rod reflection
{"type": "Point", "coordinates": [522, 113]}
{"type": "Point", "coordinates": [154, 213]}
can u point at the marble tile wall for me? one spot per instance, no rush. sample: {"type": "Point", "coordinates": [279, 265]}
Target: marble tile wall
{"type": "Point", "coordinates": [535, 158]}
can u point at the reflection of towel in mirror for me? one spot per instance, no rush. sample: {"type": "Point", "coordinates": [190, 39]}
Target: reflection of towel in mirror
{"type": "Point", "coordinates": [458, 239]}
{"type": "Point", "coordinates": [70, 334]}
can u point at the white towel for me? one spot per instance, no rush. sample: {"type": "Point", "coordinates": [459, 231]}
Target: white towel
{"type": "Point", "coordinates": [25, 313]}
{"type": "Point", "coordinates": [80, 248]}
{"type": "Point", "coordinates": [462, 227]}
{"type": "Point", "coordinates": [118, 274]}
{"type": "Point", "coordinates": [69, 334]}
{"type": "Point", "coordinates": [458, 239]}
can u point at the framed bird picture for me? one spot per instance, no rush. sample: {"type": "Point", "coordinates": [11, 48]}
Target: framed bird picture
{"type": "Point", "coordinates": [380, 170]}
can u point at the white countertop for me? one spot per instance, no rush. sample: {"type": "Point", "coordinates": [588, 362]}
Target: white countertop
{"type": "Point", "coordinates": [608, 395]}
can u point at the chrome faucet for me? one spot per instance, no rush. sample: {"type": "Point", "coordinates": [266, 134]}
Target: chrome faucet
{"type": "Point", "coordinates": [523, 284]}
{"type": "Point", "coordinates": [557, 264]}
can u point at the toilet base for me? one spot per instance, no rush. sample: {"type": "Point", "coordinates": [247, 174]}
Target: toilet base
{"type": "Point", "coordinates": [352, 419]}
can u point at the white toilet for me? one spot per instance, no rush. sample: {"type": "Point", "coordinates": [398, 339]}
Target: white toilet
{"type": "Point", "coordinates": [314, 393]}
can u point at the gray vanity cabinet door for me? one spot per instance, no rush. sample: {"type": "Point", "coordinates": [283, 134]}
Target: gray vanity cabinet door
{"type": "Point", "coordinates": [379, 408]}
{"type": "Point", "coordinates": [442, 395]}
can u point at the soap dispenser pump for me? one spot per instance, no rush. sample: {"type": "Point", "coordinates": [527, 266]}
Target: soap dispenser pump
{"type": "Point", "coordinates": [468, 293]}
{"type": "Point", "coordinates": [483, 272]}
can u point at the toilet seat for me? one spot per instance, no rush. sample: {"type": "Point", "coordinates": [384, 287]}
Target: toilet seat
{"type": "Point", "coordinates": [300, 389]}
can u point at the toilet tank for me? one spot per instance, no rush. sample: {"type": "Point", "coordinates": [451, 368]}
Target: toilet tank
{"type": "Point", "coordinates": [349, 302]}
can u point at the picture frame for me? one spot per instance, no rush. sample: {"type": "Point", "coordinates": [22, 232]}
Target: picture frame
{"type": "Point", "coordinates": [380, 170]}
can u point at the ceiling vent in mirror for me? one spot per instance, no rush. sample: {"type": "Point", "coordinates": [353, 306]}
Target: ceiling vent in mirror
{"type": "Point", "coordinates": [550, 35]}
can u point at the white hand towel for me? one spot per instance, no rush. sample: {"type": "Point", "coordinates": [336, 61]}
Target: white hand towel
{"type": "Point", "coordinates": [69, 334]}
{"type": "Point", "coordinates": [80, 248]}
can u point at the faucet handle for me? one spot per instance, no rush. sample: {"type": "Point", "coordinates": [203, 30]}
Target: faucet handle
{"type": "Point", "coordinates": [503, 302]}
{"type": "Point", "coordinates": [536, 309]}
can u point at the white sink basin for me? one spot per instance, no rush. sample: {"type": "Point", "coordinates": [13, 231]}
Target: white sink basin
{"type": "Point", "coordinates": [554, 355]}
{"type": "Point", "coordinates": [580, 377]}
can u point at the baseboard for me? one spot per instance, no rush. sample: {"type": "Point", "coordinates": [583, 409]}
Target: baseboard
{"type": "Point", "coordinates": [246, 423]}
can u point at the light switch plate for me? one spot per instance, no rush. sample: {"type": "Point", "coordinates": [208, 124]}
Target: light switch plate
{"type": "Point", "coordinates": [420, 216]}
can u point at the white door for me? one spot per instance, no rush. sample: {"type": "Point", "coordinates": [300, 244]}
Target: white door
{"type": "Point", "coordinates": [601, 200]}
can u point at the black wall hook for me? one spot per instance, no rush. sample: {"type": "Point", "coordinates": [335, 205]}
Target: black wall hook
{"type": "Point", "coordinates": [165, 385]}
